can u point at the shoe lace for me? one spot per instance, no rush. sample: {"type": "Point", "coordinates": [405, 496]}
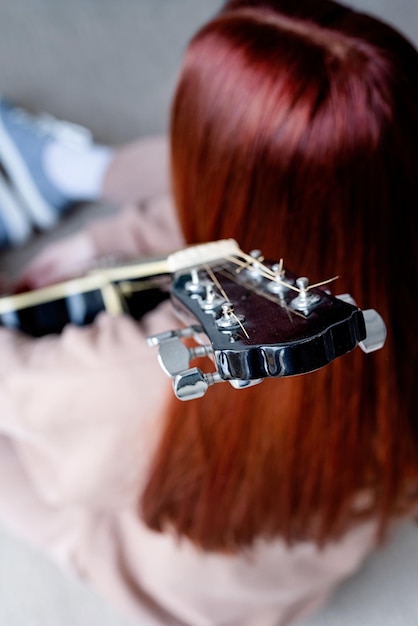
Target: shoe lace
{"type": "Point", "coordinates": [46, 125]}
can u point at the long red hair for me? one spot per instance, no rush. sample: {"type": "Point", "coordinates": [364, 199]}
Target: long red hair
{"type": "Point", "coordinates": [295, 131]}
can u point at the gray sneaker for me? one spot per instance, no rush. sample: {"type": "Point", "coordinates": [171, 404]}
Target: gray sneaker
{"type": "Point", "coordinates": [15, 224]}
{"type": "Point", "coordinates": [23, 139]}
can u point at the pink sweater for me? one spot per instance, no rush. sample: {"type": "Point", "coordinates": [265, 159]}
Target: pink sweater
{"type": "Point", "coordinates": [80, 416]}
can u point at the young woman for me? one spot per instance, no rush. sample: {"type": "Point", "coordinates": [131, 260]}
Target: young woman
{"type": "Point", "coordinates": [294, 130]}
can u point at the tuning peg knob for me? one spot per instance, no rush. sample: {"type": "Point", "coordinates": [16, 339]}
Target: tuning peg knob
{"type": "Point", "coordinates": [160, 338]}
{"type": "Point", "coordinates": [375, 331]}
{"type": "Point", "coordinates": [193, 383]}
{"type": "Point", "coordinates": [195, 286]}
{"type": "Point", "coordinates": [175, 357]}
{"type": "Point", "coordinates": [305, 300]}
{"type": "Point", "coordinates": [211, 300]}
{"type": "Point", "coordinates": [375, 327]}
{"type": "Point", "coordinates": [228, 320]}
{"type": "Point", "coordinates": [279, 285]}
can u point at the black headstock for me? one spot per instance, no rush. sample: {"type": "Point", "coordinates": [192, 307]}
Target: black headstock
{"type": "Point", "coordinates": [258, 321]}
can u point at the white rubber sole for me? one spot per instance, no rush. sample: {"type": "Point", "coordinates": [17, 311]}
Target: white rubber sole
{"type": "Point", "coordinates": [16, 222]}
{"type": "Point", "coordinates": [42, 214]}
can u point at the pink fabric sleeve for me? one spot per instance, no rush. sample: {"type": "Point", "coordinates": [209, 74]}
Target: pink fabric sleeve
{"type": "Point", "coordinates": [69, 403]}
{"type": "Point", "coordinates": [138, 170]}
{"type": "Point", "coordinates": [147, 229]}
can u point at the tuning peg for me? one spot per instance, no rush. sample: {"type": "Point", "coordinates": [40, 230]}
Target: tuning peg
{"type": "Point", "coordinates": [158, 339]}
{"type": "Point", "coordinates": [175, 357]}
{"type": "Point", "coordinates": [195, 285]}
{"type": "Point", "coordinates": [211, 300]}
{"type": "Point", "coordinates": [193, 383]}
{"type": "Point", "coordinates": [375, 326]}
{"type": "Point", "coordinates": [279, 285]}
{"type": "Point", "coordinates": [228, 319]}
{"type": "Point", "coordinates": [252, 271]}
{"type": "Point", "coordinates": [375, 331]}
{"type": "Point", "coordinates": [305, 300]}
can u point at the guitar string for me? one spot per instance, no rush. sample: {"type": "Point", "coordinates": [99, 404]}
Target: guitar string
{"type": "Point", "coordinates": [225, 271]}
{"type": "Point", "coordinates": [225, 295]}
{"type": "Point", "coordinates": [268, 296]}
{"type": "Point", "coordinates": [324, 282]}
{"type": "Point", "coordinates": [263, 270]}
{"type": "Point", "coordinates": [247, 265]}
{"type": "Point", "coordinates": [266, 272]}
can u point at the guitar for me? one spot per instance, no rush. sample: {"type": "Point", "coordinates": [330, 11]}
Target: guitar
{"type": "Point", "coordinates": [253, 318]}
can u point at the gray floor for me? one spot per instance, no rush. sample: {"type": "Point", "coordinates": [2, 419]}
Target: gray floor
{"type": "Point", "coordinates": [112, 65]}
{"type": "Point", "coordinates": [106, 64]}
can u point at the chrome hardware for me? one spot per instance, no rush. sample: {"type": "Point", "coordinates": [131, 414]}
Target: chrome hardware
{"type": "Point", "coordinates": [157, 340]}
{"type": "Point", "coordinates": [174, 356]}
{"type": "Point", "coordinates": [228, 319]}
{"type": "Point", "coordinates": [375, 331]}
{"type": "Point", "coordinates": [195, 285]}
{"type": "Point", "coordinates": [276, 285]}
{"type": "Point", "coordinates": [305, 300]}
{"type": "Point", "coordinates": [211, 300]}
{"type": "Point", "coordinates": [253, 270]}
{"type": "Point", "coordinates": [193, 383]}
{"type": "Point", "coordinates": [244, 384]}
{"type": "Point", "coordinates": [375, 326]}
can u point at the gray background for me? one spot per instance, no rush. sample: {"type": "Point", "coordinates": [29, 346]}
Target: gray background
{"type": "Point", "coordinates": [111, 65]}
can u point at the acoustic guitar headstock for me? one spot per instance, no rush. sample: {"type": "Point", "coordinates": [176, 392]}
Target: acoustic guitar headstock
{"type": "Point", "coordinates": [256, 320]}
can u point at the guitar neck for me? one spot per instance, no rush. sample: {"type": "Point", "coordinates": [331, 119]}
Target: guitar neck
{"type": "Point", "coordinates": [139, 270]}
{"type": "Point", "coordinates": [84, 284]}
